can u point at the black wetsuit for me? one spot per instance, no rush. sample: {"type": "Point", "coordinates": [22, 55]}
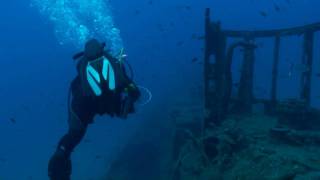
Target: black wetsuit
{"type": "Point", "coordinates": [82, 109]}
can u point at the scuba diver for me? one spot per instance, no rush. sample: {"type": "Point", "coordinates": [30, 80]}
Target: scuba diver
{"type": "Point", "coordinates": [100, 87]}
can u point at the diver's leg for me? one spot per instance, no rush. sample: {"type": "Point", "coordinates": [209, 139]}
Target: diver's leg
{"type": "Point", "coordinates": [60, 164]}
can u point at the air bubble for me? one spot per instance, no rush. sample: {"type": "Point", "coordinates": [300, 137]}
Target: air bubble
{"type": "Point", "coordinates": [76, 21]}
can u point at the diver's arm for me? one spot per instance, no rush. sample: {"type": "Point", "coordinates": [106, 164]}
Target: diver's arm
{"type": "Point", "coordinates": [130, 87]}
{"type": "Point", "coordinates": [127, 84]}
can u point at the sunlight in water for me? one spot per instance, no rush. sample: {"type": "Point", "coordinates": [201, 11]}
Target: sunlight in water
{"type": "Point", "coordinates": [75, 21]}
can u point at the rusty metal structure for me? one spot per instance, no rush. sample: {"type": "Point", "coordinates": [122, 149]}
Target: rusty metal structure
{"type": "Point", "coordinates": [218, 73]}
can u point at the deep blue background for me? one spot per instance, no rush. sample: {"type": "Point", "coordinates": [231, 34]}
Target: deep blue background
{"type": "Point", "coordinates": [36, 71]}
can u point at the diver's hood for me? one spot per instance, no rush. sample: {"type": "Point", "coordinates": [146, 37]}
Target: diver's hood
{"type": "Point", "coordinates": [93, 49]}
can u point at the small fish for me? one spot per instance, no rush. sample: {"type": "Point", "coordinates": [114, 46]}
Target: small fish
{"type": "Point", "coordinates": [98, 157]}
{"type": "Point", "coordinates": [137, 12]}
{"type": "Point", "coordinates": [180, 43]}
{"type": "Point", "coordinates": [194, 60]}
{"type": "Point", "coordinates": [188, 8]}
{"type": "Point", "coordinates": [263, 14]}
{"type": "Point", "coordinates": [13, 120]}
{"type": "Point", "coordinates": [161, 28]}
{"type": "Point", "coordinates": [236, 85]}
{"type": "Point", "coordinates": [276, 7]}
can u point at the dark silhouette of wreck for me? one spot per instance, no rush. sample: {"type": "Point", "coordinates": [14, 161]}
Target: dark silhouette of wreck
{"type": "Point", "coordinates": [218, 73]}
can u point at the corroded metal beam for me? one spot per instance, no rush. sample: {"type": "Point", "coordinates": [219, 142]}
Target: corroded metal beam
{"type": "Point", "coordinates": [245, 93]}
{"type": "Point", "coordinates": [274, 83]}
{"type": "Point", "coordinates": [307, 60]}
{"type": "Point", "coordinates": [275, 32]}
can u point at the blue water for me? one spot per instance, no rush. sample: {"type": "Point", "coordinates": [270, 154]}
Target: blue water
{"type": "Point", "coordinates": [157, 36]}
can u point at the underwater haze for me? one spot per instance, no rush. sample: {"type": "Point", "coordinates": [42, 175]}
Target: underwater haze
{"type": "Point", "coordinates": [164, 42]}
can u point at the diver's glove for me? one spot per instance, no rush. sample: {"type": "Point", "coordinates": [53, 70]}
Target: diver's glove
{"type": "Point", "coordinates": [130, 95]}
{"type": "Point", "coordinates": [133, 91]}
